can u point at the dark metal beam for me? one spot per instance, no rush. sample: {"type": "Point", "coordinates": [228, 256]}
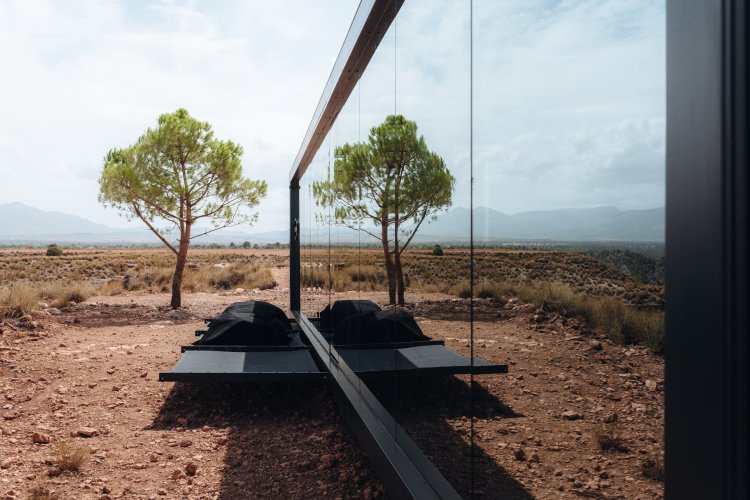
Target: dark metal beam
{"type": "Point", "coordinates": [295, 298]}
{"type": "Point", "coordinates": [402, 467]}
{"type": "Point", "coordinates": [371, 21]}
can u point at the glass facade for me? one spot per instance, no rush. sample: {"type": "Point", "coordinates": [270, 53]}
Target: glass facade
{"type": "Point", "coordinates": [495, 184]}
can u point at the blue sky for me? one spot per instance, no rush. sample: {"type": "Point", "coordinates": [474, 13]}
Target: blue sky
{"type": "Point", "coordinates": [568, 95]}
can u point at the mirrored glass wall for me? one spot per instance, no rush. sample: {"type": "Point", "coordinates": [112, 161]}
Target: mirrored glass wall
{"type": "Point", "coordinates": [492, 194]}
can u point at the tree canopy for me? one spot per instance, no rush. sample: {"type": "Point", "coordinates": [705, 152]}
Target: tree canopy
{"type": "Point", "coordinates": [176, 175]}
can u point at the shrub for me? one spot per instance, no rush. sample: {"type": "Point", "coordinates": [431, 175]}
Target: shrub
{"type": "Point", "coordinates": [437, 250]}
{"type": "Point", "coordinates": [609, 437]}
{"type": "Point", "coordinates": [54, 251]}
{"type": "Point", "coordinates": [653, 468]}
{"type": "Point", "coordinates": [70, 457]}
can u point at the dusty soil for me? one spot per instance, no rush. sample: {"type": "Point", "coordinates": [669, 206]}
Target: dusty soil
{"type": "Point", "coordinates": [97, 366]}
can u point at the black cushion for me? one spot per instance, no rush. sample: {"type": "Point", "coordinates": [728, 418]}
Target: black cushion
{"type": "Point", "coordinates": [342, 309]}
{"type": "Point", "coordinates": [248, 324]}
{"type": "Point", "coordinates": [377, 327]}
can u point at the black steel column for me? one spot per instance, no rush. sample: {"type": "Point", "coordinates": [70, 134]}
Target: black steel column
{"type": "Point", "coordinates": [707, 353]}
{"type": "Point", "coordinates": [294, 247]}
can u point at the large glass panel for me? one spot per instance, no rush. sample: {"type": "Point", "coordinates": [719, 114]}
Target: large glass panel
{"type": "Point", "coordinates": [568, 167]}
{"type": "Point", "coordinates": [432, 243]}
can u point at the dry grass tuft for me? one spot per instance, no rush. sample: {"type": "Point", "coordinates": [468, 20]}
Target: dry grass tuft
{"type": "Point", "coordinates": [17, 300]}
{"type": "Point", "coordinates": [41, 492]}
{"type": "Point", "coordinates": [61, 295]}
{"type": "Point", "coordinates": [70, 457]}
{"type": "Point", "coordinates": [609, 437]}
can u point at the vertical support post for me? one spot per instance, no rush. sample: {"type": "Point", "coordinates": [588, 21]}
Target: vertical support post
{"type": "Point", "coordinates": [707, 439]}
{"type": "Point", "coordinates": [294, 247]}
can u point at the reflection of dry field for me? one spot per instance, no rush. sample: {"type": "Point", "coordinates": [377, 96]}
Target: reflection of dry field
{"type": "Point", "coordinates": [448, 273]}
{"type": "Point", "coordinates": [571, 284]}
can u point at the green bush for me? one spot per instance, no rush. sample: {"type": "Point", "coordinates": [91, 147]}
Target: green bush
{"type": "Point", "coordinates": [54, 251]}
{"type": "Point", "coordinates": [437, 250]}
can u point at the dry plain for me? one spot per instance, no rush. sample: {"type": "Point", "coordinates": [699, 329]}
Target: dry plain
{"type": "Point", "coordinates": [93, 367]}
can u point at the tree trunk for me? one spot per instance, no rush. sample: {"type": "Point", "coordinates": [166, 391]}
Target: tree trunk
{"type": "Point", "coordinates": [399, 277]}
{"type": "Point", "coordinates": [178, 271]}
{"type": "Point", "coordinates": [389, 271]}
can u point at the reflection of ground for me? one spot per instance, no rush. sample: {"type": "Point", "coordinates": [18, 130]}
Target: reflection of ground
{"type": "Point", "coordinates": [102, 372]}
{"type": "Point", "coordinates": [437, 415]}
{"type": "Point", "coordinates": [553, 369]}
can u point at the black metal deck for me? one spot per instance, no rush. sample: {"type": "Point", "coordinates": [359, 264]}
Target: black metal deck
{"type": "Point", "coordinates": [249, 365]}
{"type": "Point", "coordinates": [415, 360]}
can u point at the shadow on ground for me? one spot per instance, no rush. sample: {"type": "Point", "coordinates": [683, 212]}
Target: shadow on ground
{"type": "Point", "coordinates": [283, 441]}
{"type": "Point", "coordinates": [290, 441]}
{"type": "Point", "coordinates": [436, 413]}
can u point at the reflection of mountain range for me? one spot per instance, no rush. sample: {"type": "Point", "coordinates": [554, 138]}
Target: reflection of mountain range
{"type": "Point", "coordinates": [23, 224]}
{"type": "Point", "coordinates": [573, 224]}
{"type": "Point", "coordinates": [570, 224]}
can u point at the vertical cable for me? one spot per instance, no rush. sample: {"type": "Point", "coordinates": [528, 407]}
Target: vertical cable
{"type": "Point", "coordinates": [395, 307]}
{"type": "Point", "coordinates": [330, 278]}
{"type": "Point", "coordinates": [359, 216]}
{"type": "Point", "coordinates": [471, 246]}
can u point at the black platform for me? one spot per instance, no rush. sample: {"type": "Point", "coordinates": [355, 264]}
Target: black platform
{"type": "Point", "coordinates": [261, 365]}
{"type": "Point", "coordinates": [430, 359]}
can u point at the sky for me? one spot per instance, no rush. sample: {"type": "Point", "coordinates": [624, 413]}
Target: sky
{"type": "Point", "coordinates": [569, 96]}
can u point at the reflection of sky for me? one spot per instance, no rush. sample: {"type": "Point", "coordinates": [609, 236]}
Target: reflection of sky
{"type": "Point", "coordinates": [569, 96]}
{"type": "Point", "coordinates": [569, 99]}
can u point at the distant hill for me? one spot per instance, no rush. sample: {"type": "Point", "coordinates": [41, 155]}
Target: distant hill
{"type": "Point", "coordinates": [20, 219]}
{"type": "Point", "coordinates": [20, 223]}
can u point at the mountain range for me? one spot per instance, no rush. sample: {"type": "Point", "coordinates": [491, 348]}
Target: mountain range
{"type": "Point", "coordinates": [21, 223]}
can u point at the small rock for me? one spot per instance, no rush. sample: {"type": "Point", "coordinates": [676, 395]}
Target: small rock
{"type": "Point", "coordinates": [54, 311]}
{"type": "Point", "coordinates": [153, 458]}
{"type": "Point", "coordinates": [54, 472]}
{"type": "Point", "coordinates": [650, 385]}
{"type": "Point", "coordinates": [40, 438]}
{"type": "Point", "coordinates": [611, 418]}
{"type": "Point", "coordinates": [520, 454]}
{"type": "Point", "coordinates": [87, 432]}
{"type": "Point", "coordinates": [161, 491]}
{"type": "Point", "coordinates": [92, 385]}
{"type": "Point", "coordinates": [178, 474]}
{"type": "Point", "coordinates": [5, 464]}
{"type": "Point", "coordinates": [596, 345]}
{"type": "Point", "coordinates": [570, 415]}
{"type": "Point", "coordinates": [185, 443]}
{"type": "Point", "coordinates": [191, 469]}
{"type": "Point", "coordinates": [327, 461]}
{"type": "Point", "coordinates": [222, 441]}
{"type": "Point", "coordinates": [110, 371]}
{"type": "Point", "coordinates": [535, 458]}
{"type": "Point", "coordinates": [115, 388]}
{"type": "Point", "coordinates": [144, 374]}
